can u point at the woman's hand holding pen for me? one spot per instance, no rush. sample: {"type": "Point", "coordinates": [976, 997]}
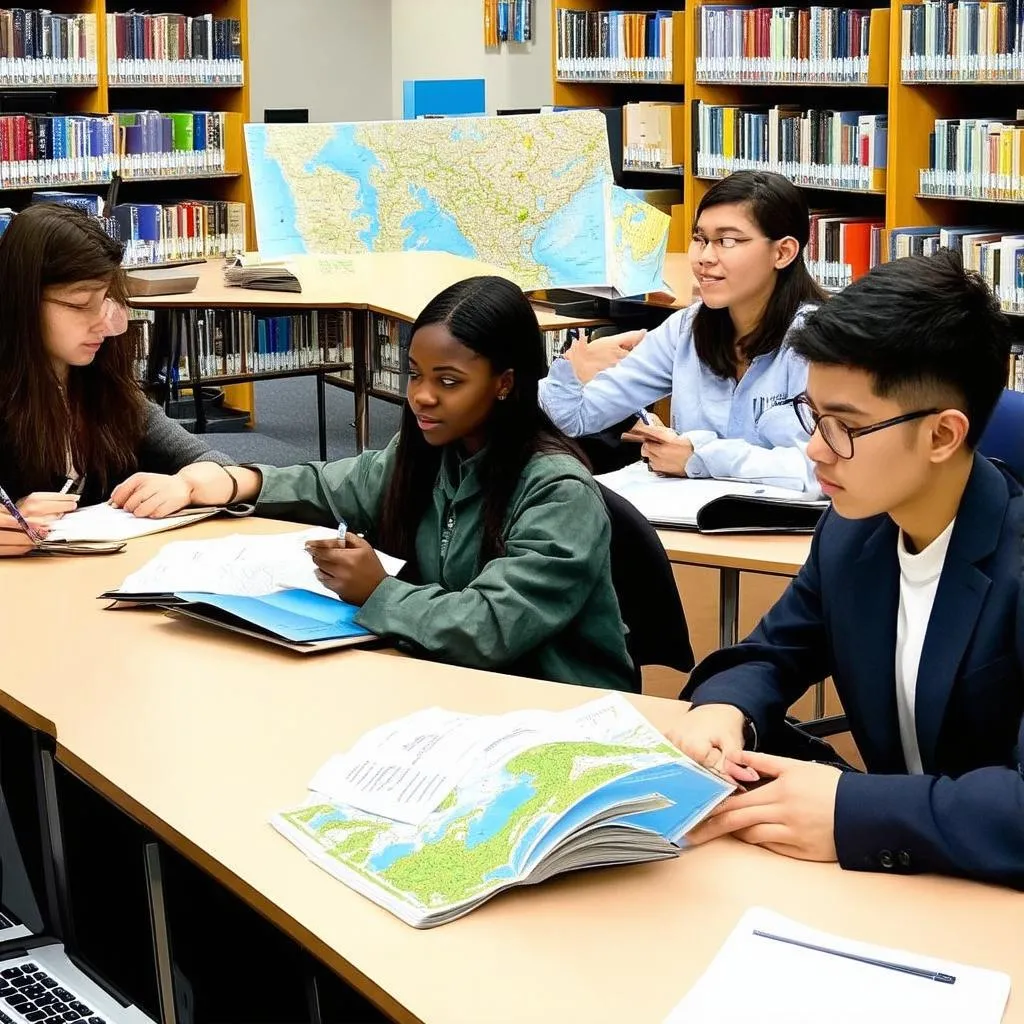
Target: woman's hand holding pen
{"type": "Point", "coordinates": [350, 568]}
{"type": "Point", "coordinates": [13, 539]}
{"type": "Point", "coordinates": [47, 506]}
{"type": "Point", "coordinates": [664, 451]}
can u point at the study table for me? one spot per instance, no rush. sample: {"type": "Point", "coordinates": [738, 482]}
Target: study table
{"type": "Point", "coordinates": [202, 758]}
{"type": "Point", "coordinates": [394, 284]}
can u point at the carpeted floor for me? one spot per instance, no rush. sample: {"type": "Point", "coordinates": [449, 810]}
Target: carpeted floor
{"type": "Point", "coordinates": [286, 433]}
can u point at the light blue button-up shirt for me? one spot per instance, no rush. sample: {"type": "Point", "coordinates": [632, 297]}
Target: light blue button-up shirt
{"type": "Point", "coordinates": [746, 430]}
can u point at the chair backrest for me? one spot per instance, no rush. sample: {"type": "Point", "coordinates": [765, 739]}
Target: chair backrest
{"type": "Point", "coordinates": [1003, 438]}
{"type": "Point", "coordinates": [646, 589]}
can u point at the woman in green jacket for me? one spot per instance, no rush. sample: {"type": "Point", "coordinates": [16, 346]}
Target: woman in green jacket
{"type": "Point", "coordinates": [505, 531]}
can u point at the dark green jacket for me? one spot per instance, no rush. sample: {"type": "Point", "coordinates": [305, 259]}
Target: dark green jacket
{"type": "Point", "coordinates": [546, 609]}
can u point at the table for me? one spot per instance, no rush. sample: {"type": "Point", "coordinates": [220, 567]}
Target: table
{"type": "Point", "coordinates": [394, 284]}
{"type": "Point", "coordinates": [245, 733]}
{"type": "Point", "coordinates": [767, 554]}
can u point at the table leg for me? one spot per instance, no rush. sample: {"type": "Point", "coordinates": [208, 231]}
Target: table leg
{"type": "Point", "coordinates": [729, 607]}
{"type": "Point", "coordinates": [321, 415]}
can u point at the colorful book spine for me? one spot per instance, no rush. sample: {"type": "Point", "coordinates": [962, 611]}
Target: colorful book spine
{"type": "Point", "coordinates": [975, 158]}
{"type": "Point", "coordinates": [786, 44]}
{"type": "Point", "coordinates": [40, 47]}
{"type": "Point", "coordinates": [966, 41]}
{"type": "Point", "coordinates": [626, 46]}
{"type": "Point", "coordinates": [173, 49]}
{"type": "Point", "coordinates": [831, 149]}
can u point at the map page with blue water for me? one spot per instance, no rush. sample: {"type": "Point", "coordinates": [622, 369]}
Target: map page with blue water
{"type": "Point", "coordinates": [531, 193]}
{"type": "Point", "coordinates": [432, 814]}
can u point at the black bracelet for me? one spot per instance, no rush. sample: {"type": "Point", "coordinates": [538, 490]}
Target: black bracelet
{"type": "Point", "coordinates": [234, 486]}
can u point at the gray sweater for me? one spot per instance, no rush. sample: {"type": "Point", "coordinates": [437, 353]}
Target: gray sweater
{"type": "Point", "coordinates": [165, 448]}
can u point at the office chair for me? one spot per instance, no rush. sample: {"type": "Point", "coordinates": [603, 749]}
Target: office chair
{"type": "Point", "coordinates": [1003, 439]}
{"type": "Point", "coordinates": [1002, 442]}
{"type": "Point", "coordinates": [646, 588]}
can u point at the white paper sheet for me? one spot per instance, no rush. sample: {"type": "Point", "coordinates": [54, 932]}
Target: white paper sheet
{"type": "Point", "coordinates": [249, 565]}
{"type": "Point", "coordinates": [104, 522]}
{"type": "Point", "coordinates": [756, 979]}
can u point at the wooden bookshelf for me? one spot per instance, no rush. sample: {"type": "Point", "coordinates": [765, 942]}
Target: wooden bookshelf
{"type": "Point", "coordinates": [911, 106]}
{"type": "Point", "coordinates": [103, 96]}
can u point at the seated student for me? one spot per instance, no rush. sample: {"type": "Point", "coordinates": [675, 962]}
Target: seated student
{"type": "Point", "coordinates": [911, 599]}
{"type": "Point", "coordinates": [73, 420]}
{"type": "Point", "coordinates": [505, 530]}
{"type": "Point", "coordinates": [724, 359]}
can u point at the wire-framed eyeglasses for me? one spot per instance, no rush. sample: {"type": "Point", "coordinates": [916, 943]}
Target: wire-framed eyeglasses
{"type": "Point", "coordinates": [836, 434]}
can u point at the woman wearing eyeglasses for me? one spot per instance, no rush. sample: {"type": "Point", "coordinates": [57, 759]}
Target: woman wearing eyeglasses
{"type": "Point", "coordinates": [724, 359]}
{"type": "Point", "coordinates": [73, 420]}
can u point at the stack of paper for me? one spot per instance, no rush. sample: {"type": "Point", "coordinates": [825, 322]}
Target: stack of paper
{"type": "Point", "coordinates": [433, 814]}
{"type": "Point", "coordinates": [772, 970]}
{"type": "Point", "coordinates": [106, 523]}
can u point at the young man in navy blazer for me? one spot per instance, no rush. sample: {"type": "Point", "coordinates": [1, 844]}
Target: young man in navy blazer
{"type": "Point", "coordinates": [911, 599]}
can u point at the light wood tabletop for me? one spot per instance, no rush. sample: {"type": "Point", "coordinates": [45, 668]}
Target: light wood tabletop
{"type": "Point", "coordinates": [397, 284]}
{"type": "Point", "coordinates": [201, 735]}
{"type": "Point", "coordinates": [773, 554]}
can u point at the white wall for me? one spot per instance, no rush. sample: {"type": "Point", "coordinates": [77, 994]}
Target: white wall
{"type": "Point", "coordinates": [444, 39]}
{"type": "Point", "coordinates": [330, 56]}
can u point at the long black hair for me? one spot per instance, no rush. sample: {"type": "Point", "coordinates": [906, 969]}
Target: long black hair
{"type": "Point", "coordinates": [779, 209]}
{"type": "Point", "coordinates": [492, 317]}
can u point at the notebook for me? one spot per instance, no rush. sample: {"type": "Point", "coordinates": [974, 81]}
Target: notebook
{"type": "Point", "coordinates": [715, 506]}
{"type": "Point", "coordinates": [433, 814]}
{"type": "Point", "coordinates": [104, 523]}
{"type": "Point", "coordinates": [262, 586]}
{"type": "Point", "coordinates": [786, 981]}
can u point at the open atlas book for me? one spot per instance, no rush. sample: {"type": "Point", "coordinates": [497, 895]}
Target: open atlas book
{"type": "Point", "coordinates": [433, 814]}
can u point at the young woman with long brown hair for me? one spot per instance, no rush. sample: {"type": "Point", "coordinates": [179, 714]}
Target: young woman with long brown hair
{"type": "Point", "coordinates": [73, 420]}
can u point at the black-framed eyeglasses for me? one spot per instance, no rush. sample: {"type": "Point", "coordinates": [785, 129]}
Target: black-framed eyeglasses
{"type": "Point", "coordinates": [836, 434]}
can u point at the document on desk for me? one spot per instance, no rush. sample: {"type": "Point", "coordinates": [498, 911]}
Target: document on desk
{"type": "Point", "coordinates": [260, 585]}
{"type": "Point", "coordinates": [433, 814]}
{"type": "Point", "coordinates": [792, 974]}
{"type": "Point", "coordinates": [241, 565]}
{"type": "Point", "coordinates": [714, 506]}
{"type": "Point", "coordinates": [106, 523]}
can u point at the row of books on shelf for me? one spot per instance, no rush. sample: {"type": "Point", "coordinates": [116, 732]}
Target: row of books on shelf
{"type": "Point", "coordinates": [239, 342]}
{"type": "Point", "coordinates": [158, 232]}
{"type": "Point", "coordinates": [173, 49]}
{"type": "Point", "coordinates": [957, 41]}
{"type": "Point", "coordinates": [996, 254]}
{"type": "Point", "coordinates": [55, 149]}
{"type": "Point", "coordinates": [788, 44]}
{"type": "Point", "coordinates": [977, 158]}
{"type": "Point", "coordinates": [826, 148]}
{"type": "Point", "coordinates": [620, 45]}
{"type": "Point", "coordinates": [652, 135]}
{"type": "Point", "coordinates": [841, 248]}
{"type": "Point", "coordinates": [40, 47]}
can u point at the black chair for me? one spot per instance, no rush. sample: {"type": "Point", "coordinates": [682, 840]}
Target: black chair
{"type": "Point", "coordinates": [646, 589]}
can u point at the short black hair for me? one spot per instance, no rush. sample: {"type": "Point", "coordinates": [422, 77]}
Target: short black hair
{"type": "Point", "coordinates": [921, 322]}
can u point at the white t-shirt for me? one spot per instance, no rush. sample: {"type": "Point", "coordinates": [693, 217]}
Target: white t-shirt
{"type": "Point", "coordinates": [919, 580]}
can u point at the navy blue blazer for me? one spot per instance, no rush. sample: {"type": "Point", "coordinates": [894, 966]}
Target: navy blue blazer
{"type": "Point", "coordinates": [965, 814]}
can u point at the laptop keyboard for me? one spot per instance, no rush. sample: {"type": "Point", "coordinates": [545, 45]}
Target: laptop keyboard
{"type": "Point", "coordinates": [40, 998]}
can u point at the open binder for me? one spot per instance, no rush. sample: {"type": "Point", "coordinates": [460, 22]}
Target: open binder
{"type": "Point", "coordinates": [715, 506]}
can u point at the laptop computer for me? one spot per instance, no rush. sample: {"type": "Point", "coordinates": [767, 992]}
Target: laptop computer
{"type": "Point", "coordinates": [42, 981]}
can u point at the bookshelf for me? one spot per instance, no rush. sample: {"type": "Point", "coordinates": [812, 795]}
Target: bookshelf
{"type": "Point", "coordinates": [97, 84]}
{"type": "Point", "coordinates": [922, 62]}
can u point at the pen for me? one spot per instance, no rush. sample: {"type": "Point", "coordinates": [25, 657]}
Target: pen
{"type": "Point", "coordinates": [342, 530]}
{"type": "Point", "coordinates": [917, 972]}
{"type": "Point", "coordinates": [31, 532]}
{"type": "Point", "coordinates": [644, 418]}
